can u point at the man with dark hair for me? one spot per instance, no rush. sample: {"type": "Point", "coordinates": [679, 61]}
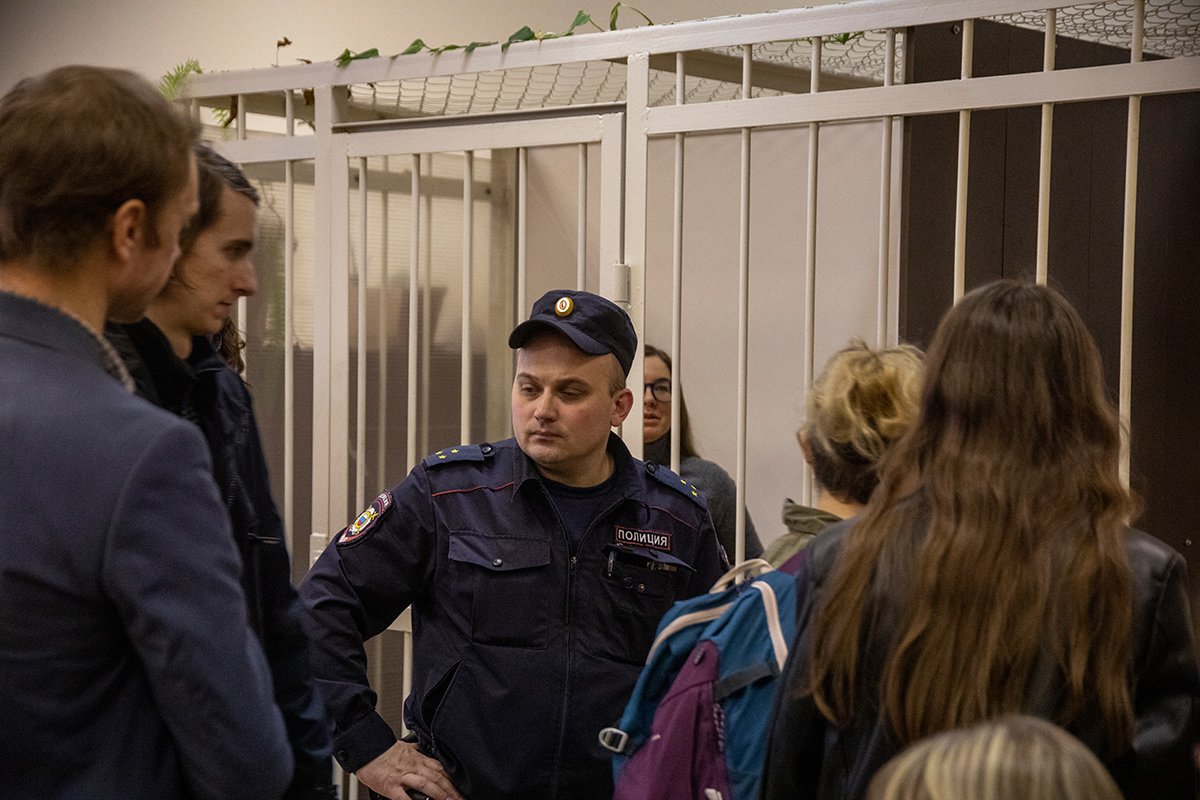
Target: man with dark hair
{"type": "Point", "coordinates": [537, 570]}
{"type": "Point", "coordinates": [173, 361]}
{"type": "Point", "coordinates": [129, 666]}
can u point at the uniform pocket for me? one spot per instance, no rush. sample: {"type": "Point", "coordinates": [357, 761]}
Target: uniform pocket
{"type": "Point", "coordinates": [509, 579]}
{"type": "Point", "coordinates": [639, 585]}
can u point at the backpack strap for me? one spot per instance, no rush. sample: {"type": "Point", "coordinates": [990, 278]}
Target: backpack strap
{"type": "Point", "coordinates": [774, 627]}
{"type": "Point", "coordinates": [749, 569]}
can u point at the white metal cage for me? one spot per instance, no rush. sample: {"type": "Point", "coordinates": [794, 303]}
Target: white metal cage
{"type": "Point", "coordinates": [736, 183]}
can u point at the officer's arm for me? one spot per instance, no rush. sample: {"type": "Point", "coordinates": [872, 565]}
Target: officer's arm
{"type": "Point", "coordinates": [171, 569]}
{"type": "Point", "coordinates": [366, 577]}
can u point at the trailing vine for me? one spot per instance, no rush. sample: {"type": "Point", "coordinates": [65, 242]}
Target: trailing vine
{"type": "Point", "coordinates": [522, 34]}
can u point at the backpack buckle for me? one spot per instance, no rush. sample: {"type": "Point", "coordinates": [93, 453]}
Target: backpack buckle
{"type": "Point", "coordinates": [614, 739]}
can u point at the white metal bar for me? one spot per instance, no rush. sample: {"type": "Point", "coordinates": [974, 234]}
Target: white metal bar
{"type": "Point", "coordinates": [1046, 154]}
{"type": "Point", "coordinates": [326, 171]}
{"type": "Point", "coordinates": [289, 112]}
{"type": "Point", "coordinates": [743, 381]}
{"type": "Point", "coordinates": [964, 158]}
{"type": "Point", "coordinates": [810, 258]}
{"type": "Point", "coordinates": [381, 413]}
{"type": "Point", "coordinates": [242, 320]}
{"type": "Point", "coordinates": [289, 355]}
{"type": "Point", "coordinates": [481, 136]}
{"type": "Point", "coordinates": [677, 279]}
{"type": "Point", "coordinates": [360, 417]}
{"type": "Point", "coordinates": [241, 116]}
{"type": "Point", "coordinates": [414, 300]}
{"type": "Point", "coordinates": [522, 231]}
{"type": "Point", "coordinates": [274, 149]}
{"type": "Point", "coordinates": [885, 202]}
{"type": "Point", "coordinates": [468, 255]}
{"type": "Point", "coordinates": [798, 23]}
{"type": "Point", "coordinates": [406, 674]}
{"type": "Point", "coordinates": [1132, 139]}
{"type": "Point", "coordinates": [339, 338]}
{"type": "Point", "coordinates": [581, 220]}
{"type": "Point", "coordinates": [634, 253]}
{"type": "Point", "coordinates": [680, 79]}
{"type": "Point", "coordinates": [1113, 81]}
{"type": "Point", "coordinates": [612, 187]}
{"type": "Point", "coordinates": [426, 381]}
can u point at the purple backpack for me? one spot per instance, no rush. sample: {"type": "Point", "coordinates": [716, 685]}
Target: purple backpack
{"type": "Point", "coordinates": [697, 722]}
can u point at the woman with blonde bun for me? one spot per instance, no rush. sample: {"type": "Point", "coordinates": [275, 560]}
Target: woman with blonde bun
{"type": "Point", "coordinates": [1013, 757]}
{"type": "Point", "coordinates": [862, 401]}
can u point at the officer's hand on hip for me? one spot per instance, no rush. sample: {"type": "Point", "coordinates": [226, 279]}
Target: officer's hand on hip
{"type": "Point", "coordinates": [402, 767]}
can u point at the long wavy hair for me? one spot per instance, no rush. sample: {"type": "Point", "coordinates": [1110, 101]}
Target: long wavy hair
{"type": "Point", "coordinates": [995, 537]}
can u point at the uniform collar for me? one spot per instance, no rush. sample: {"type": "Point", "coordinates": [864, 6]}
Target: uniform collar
{"type": "Point", "coordinates": [624, 466]}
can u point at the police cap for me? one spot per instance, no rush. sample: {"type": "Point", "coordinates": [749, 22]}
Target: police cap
{"type": "Point", "coordinates": [594, 324]}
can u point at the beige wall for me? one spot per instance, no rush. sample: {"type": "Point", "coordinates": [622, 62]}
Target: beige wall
{"type": "Point", "coordinates": [152, 36]}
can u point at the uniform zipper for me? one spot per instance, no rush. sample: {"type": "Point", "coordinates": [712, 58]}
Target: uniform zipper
{"type": "Point", "coordinates": [572, 569]}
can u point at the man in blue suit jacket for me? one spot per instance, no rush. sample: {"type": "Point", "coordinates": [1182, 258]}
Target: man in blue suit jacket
{"type": "Point", "coordinates": [127, 667]}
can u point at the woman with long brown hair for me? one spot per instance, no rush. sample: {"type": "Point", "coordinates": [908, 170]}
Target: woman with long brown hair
{"type": "Point", "coordinates": [994, 572]}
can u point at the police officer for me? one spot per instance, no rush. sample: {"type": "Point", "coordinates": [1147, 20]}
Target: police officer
{"type": "Point", "coordinates": [537, 570]}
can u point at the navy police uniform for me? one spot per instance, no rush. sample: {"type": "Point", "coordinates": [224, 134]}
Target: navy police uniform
{"type": "Point", "coordinates": [524, 647]}
{"type": "Point", "coordinates": [529, 633]}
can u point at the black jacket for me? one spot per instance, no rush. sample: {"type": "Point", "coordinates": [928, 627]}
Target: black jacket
{"type": "Point", "coordinates": [526, 646]}
{"type": "Point", "coordinates": [807, 758]}
{"type": "Point", "coordinates": [205, 390]}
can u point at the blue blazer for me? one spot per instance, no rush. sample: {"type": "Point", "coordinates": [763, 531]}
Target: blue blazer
{"type": "Point", "coordinates": [127, 665]}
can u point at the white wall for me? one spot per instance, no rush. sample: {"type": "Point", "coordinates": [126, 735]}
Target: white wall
{"type": "Point", "coordinates": [152, 36]}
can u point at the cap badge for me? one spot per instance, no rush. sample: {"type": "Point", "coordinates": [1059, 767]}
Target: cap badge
{"type": "Point", "coordinates": [564, 307]}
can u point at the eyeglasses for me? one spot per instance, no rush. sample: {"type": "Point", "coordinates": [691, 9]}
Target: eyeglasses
{"type": "Point", "coordinates": [661, 390]}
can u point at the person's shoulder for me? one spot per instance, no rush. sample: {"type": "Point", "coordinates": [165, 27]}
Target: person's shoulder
{"type": "Point", "coordinates": [824, 548]}
{"type": "Point", "coordinates": [467, 464]}
{"type": "Point", "coordinates": [662, 482]}
{"type": "Point", "coordinates": [1149, 557]}
{"type": "Point", "coordinates": [708, 475]}
{"type": "Point", "coordinates": [90, 403]}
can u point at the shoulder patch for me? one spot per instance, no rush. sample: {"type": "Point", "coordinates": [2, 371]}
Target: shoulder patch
{"type": "Point", "coordinates": [463, 452]}
{"type": "Point", "coordinates": [366, 521]}
{"type": "Point", "coordinates": [667, 477]}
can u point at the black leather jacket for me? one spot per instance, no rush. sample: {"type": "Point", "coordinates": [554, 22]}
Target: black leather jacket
{"type": "Point", "coordinates": [808, 758]}
{"type": "Point", "coordinates": [206, 391]}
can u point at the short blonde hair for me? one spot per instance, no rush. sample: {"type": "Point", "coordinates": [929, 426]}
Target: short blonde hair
{"type": "Point", "coordinates": [1013, 757]}
{"type": "Point", "coordinates": [861, 402]}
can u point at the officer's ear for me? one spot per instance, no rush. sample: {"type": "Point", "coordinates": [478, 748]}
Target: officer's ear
{"type": "Point", "coordinates": [622, 403]}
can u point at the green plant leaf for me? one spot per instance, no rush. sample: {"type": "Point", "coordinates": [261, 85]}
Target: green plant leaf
{"type": "Point", "coordinates": [843, 38]}
{"type": "Point", "coordinates": [171, 83]}
{"type": "Point", "coordinates": [471, 47]}
{"type": "Point", "coordinates": [416, 47]}
{"type": "Point", "coordinates": [616, 10]}
{"type": "Point", "coordinates": [348, 55]}
{"type": "Point", "coordinates": [525, 34]}
{"type": "Point", "coordinates": [581, 18]}
{"type": "Point", "coordinates": [444, 48]}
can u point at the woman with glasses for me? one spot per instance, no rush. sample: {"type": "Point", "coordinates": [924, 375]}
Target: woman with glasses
{"type": "Point", "coordinates": [705, 475]}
